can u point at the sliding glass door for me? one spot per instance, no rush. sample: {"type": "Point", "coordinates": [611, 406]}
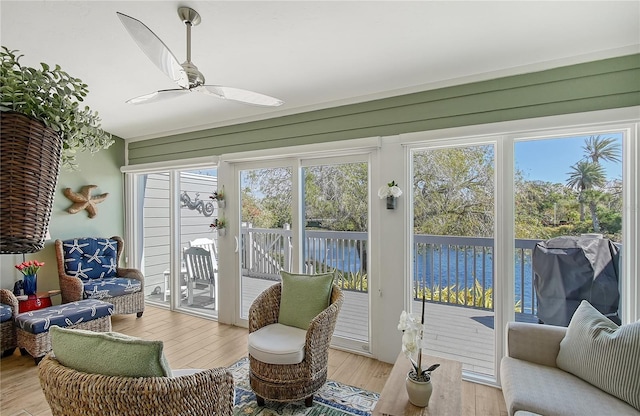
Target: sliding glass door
{"type": "Point", "coordinates": [153, 228]}
{"type": "Point", "coordinates": [198, 278]}
{"type": "Point", "coordinates": [173, 211]}
{"type": "Point", "coordinates": [265, 243]}
{"type": "Point", "coordinates": [307, 216]}
{"type": "Point", "coordinates": [336, 238]}
{"type": "Point", "coordinates": [453, 251]}
{"type": "Point", "coordinates": [577, 192]}
{"type": "Point", "coordinates": [472, 258]}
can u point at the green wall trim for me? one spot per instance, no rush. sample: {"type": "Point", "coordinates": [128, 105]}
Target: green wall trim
{"type": "Point", "coordinates": [599, 85]}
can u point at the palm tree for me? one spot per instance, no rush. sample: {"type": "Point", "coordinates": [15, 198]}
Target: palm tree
{"type": "Point", "coordinates": [583, 177]}
{"type": "Point", "coordinates": [597, 148]}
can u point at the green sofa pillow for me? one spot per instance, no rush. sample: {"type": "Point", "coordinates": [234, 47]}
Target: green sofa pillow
{"type": "Point", "coordinates": [603, 353]}
{"type": "Point", "coordinates": [303, 297]}
{"type": "Point", "coordinates": [108, 353]}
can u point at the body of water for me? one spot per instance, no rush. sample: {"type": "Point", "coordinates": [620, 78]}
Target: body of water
{"type": "Point", "coordinates": [438, 266]}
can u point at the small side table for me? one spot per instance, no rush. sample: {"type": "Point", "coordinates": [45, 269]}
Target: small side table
{"type": "Point", "coordinates": [34, 302]}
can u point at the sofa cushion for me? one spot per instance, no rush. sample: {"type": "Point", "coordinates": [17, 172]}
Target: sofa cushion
{"type": "Point", "coordinates": [110, 287]}
{"type": "Point", "coordinates": [303, 297]}
{"type": "Point", "coordinates": [64, 315]}
{"type": "Point", "coordinates": [6, 312]}
{"type": "Point", "coordinates": [278, 344]}
{"type": "Point", "coordinates": [90, 258]}
{"type": "Point", "coordinates": [108, 353]}
{"type": "Point", "coordinates": [551, 391]}
{"type": "Point", "coordinates": [602, 353]}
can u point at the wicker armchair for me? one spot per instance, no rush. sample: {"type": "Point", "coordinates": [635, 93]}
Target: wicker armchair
{"type": "Point", "coordinates": [291, 382]}
{"type": "Point", "coordinates": [73, 393]}
{"type": "Point", "coordinates": [72, 287]}
{"type": "Point", "coordinates": [8, 340]}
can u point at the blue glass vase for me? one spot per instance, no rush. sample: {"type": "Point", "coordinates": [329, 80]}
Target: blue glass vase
{"type": "Point", "coordinates": [29, 284]}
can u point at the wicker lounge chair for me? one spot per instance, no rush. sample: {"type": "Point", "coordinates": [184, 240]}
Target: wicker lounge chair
{"type": "Point", "coordinates": [300, 381]}
{"type": "Point", "coordinates": [80, 277]}
{"type": "Point", "coordinates": [72, 393]}
{"type": "Point", "coordinates": [8, 327]}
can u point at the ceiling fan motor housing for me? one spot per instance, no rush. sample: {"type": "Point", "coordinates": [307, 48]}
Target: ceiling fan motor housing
{"type": "Point", "coordinates": [195, 77]}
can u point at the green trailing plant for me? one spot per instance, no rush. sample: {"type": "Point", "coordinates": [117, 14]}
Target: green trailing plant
{"type": "Point", "coordinates": [476, 296]}
{"type": "Point", "coordinates": [53, 97]}
{"type": "Point", "coordinates": [352, 281]}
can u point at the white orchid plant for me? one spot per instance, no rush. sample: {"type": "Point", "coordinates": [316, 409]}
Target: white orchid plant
{"type": "Point", "coordinates": [412, 326]}
{"type": "Point", "coordinates": [391, 189]}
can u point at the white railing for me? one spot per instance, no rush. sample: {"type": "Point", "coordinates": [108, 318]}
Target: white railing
{"type": "Point", "coordinates": [266, 251]}
{"type": "Point", "coordinates": [465, 265]}
{"type": "Point", "coordinates": [461, 264]}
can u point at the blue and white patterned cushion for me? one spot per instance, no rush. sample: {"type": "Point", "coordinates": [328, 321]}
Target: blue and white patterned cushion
{"type": "Point", "coordinates": [90, 258]}
{"type": "Point", "coordinates": [111, 287]}
{"type": "Point", "coordinates": [63, 315]}
{"type": "Point", "coordinates": [5, 312]}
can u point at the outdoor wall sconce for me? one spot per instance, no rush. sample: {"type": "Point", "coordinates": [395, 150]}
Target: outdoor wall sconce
{"type": "Point", "coordinates": [390, 192]}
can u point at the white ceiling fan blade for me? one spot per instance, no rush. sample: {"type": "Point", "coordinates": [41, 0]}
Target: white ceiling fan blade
{"type": "Point", "coordinates": [157, 96]}
{"type": "Point", "coordinates": [240, 95]}
{"type": "Point", "coordinates": [155, 49]}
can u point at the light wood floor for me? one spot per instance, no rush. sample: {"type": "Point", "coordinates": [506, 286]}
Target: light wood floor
{"type": "Point", "coordinates": [192, 342]}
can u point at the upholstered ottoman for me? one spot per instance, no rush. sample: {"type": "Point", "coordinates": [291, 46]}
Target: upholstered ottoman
{"type": "Point", "coordinates": [32, 328]}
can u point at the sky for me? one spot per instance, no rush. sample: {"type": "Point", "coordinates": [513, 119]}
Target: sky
{"type": "Point", "coordinates": [550, 160]}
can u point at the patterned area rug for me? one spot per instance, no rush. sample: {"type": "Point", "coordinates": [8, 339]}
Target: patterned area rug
{"type": "Point", "coordinates": [333, 399]}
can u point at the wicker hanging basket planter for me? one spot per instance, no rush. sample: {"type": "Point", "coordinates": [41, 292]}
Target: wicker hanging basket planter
{"type": "Point", "coordinates": [30, 155]}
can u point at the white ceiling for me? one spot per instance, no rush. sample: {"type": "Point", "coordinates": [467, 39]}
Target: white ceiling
{"type": "Point", "coordinates": [309, 54]}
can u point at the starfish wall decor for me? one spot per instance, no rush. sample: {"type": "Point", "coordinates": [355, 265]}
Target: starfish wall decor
{"type": "Point", "coordinates": [83, 200]}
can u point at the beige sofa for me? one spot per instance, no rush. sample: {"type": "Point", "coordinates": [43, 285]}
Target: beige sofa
{"type": "Point", "coordinates": [532, 382]}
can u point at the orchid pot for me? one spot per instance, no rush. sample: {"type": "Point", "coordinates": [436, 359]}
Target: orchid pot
{"type": "Point", "coordinates": [419, 391]}
{"type": "Point", "coordinates": [418, 381]}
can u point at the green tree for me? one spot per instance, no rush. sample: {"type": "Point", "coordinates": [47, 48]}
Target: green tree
{"type": "Point", "coordinates": [540, 207]}
{"type": "Point", "coordinates": [597, 148]}
{"type": "Point", "coordinates": [453, 191]}
{"type": "Point", "coordinates": [337, 196]}
{"type": "Point", "coordinates": [584, 177]}
{"type": "Point", "coordinates": [268, 191]}
{"type": "Point", "coordinates": [588, 177]}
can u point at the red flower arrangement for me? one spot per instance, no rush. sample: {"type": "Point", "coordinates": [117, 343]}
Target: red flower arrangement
{"type": "Point", "coordinates": [30, 267]}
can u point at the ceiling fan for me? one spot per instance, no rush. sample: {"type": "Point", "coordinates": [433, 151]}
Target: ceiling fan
{"type": "Point", "coordinates": [186, 75]}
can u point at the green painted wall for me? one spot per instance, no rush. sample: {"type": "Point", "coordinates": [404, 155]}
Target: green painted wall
{"type": "Point", "coordinates": [101, 169]}
{"type": "Point", "coordinates": [598, 85]}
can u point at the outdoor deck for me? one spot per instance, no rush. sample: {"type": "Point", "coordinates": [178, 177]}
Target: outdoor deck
{"type": "Point", "coordinates": [453, 332]}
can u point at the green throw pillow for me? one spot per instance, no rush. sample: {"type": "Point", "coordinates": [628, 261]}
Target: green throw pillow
{"type": "Point", "coordinates": [602, 353]}
{"type": "Point", "coordinates": [303, 297]}
{"type": "Point", "coordinates": [108, 353]}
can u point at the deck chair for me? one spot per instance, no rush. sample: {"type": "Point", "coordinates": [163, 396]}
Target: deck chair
{"type": "Point", "coordinates": [209, 245]}
{"type": "Point", "coordinates": [200, 269]}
